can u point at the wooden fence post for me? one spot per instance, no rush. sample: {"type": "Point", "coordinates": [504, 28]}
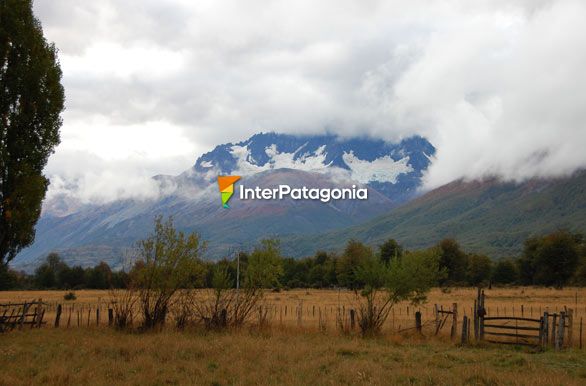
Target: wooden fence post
{"type": "Point", "coordinates": [36, 313]}
{"type": "Point", "coordinates": [110, 316]}
{"type": "Point", "coordinates": [40, 317]}
{"type": "Point", "coordinates": [300, 314]}
{"type": "Point", "coordinates": [98, 315]}
{"type": "Point", "coordinates": [475, 320]}
{"type": "Point", "coordinates": [69, 317]}
{"type": "Point", "coordinates": [481, 327]}
{"type": "Point", "coordinates": [570, 317]}
{"type": "Point", "coordinates": [322, 320]}
{"type": "Point", "coordinates": [465, 330]}
{"type": "Point", "coordinates": [559, 342]}
{"type": "Point", "coordinates": [454, 320]}
{"type": "Point", "coordinates": [224, 317]}
{"type": "Point", "coordinates": [554, 329]}
{"type": "Point", "coordinates": [418, 321]}
{"type": "Point", "coordinates": [580, 333]}
{"type": "Point", "coordinates": [352, 319]}
{"type": "Point", "coordinates": [58, 316]}
{"type": "Point", "coordinates": [545, 329]}
{"type": "Point", "coordinates": [541, 332]}
{"type": "Point", "coordinates": [25, 308]}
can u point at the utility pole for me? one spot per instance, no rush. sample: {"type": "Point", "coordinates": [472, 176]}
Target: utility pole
{"type": "Point", "coordinates": [238, 272]}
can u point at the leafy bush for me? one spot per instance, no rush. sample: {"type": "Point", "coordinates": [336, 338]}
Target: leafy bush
{"type": "Point", "coordinates": [386, 284]}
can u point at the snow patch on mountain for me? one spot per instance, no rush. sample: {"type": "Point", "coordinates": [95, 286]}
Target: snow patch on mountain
{"type": "Point", "coordinates": [383, 169]}
{"type": "Point", "coordinates": [309, 161]}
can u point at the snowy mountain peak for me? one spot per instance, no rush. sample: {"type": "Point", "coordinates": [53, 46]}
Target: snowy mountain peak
{"type": "Point", "coordinates": [368, 161]}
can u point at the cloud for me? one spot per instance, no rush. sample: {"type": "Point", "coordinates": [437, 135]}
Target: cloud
{"type": "Point", "coordinates": [89, 179]}
{"type": "Point", "coordinates": [100, 162]}
{"type": "Point", "coordinates": [497, 86]}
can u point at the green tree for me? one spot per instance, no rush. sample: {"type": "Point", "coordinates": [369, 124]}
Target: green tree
{"type": "Point", "coordinates": [579, 278]}
{"type": "Point", "coordinates": [409, 278]}
{"type": "Point", "coordinates": [46, 274]}
{"type": "Point", "coordinates": [526, 264]}
{"type": "Point", "coordinates": [99, 277]}
{"type": "Point", "coordinates": [556, 259]}
{"type": "Point", "coordinates": [552, 259]}
{"type": "Point", "coordinates": [265, 265]}
{"type": "Point", "coordinates": [71, 278]}
{"type": "Point", "coordinates": [454, 260]}
{"type": "Point", "coordinates": [31, 100]}
{"type": "Point", "coordinates": [389, 250]}
{"type": "Point", "coordinates": [505, 272]}
{"type": "Point", "coordinates": [8, 278]}
{"type": "Point", "coordinates": [479, 269]}
{"type": "Point", "coordinates": [293, 277]}
{"type": "Point", "coordinates": [354, 255]}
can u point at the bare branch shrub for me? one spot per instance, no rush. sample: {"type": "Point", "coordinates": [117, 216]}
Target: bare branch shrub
{"type": "Point", "coordinates": [169, 261]}
{"type": "Point", "coordinates": [224, 306]}
{"type": "Point", "coordinates": [123, 302]}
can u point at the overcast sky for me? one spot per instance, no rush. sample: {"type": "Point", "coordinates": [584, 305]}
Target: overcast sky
{"type": "Point", "coordinates": [499, 87]}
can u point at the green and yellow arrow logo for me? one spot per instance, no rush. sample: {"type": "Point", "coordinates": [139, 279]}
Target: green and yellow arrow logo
{"type": "Point", "coordinates": [226, 185]}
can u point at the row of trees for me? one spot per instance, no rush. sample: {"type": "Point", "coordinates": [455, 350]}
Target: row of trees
{"type": "Point", "coordinates": [56, 274]}
{"type": "Point", "coordinates": [169, 265]}
{"type": "Point", "coordinates": [556, 259]}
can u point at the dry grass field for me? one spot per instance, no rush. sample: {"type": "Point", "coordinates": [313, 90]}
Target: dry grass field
{"type": "Point", "coordinates": [510, 301]}
{"type": "Point", "coordinates": [287, 351]}
{"type": "Point", "coordinates": [273, 357]}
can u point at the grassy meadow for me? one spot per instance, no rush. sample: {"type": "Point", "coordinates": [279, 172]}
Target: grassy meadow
{"type": "Point", "coordinates": [273, 357]}
{"type": "Point", "coordinates": [287, 351]}
{"type": "Point", "coordinates": [285, 305]}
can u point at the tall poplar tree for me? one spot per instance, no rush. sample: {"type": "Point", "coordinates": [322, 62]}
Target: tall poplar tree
{"type": "Point", "coordinates": [31, 100]}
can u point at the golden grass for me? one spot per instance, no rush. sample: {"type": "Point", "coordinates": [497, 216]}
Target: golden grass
{"type": "Point", "coordinates": [511, 301]}
{"type": "Point", "coordinates": [101, 356]}
{"type": "Point", "coordinates": [287, 352]}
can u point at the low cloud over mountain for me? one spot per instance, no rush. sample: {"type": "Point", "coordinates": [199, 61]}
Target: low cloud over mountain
{"type": "Point", "coordinates": [392, 172]}
{"type": "Point", "coordinates": [496, 86]}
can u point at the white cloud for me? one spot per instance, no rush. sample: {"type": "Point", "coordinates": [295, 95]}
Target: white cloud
{"type": "Point", "coordinates": [497, 86]}
{"type": "Point", "coordinates": [105, 59]}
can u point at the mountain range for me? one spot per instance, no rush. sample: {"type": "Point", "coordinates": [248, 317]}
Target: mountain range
{"type": "Point", "coordinates": [486, 216]}
{"type": "Point", "coordinates": [392, 173]}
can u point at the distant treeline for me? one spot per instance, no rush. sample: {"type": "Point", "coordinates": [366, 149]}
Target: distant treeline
{"type": "Point", "coordinates": [557, 259]}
